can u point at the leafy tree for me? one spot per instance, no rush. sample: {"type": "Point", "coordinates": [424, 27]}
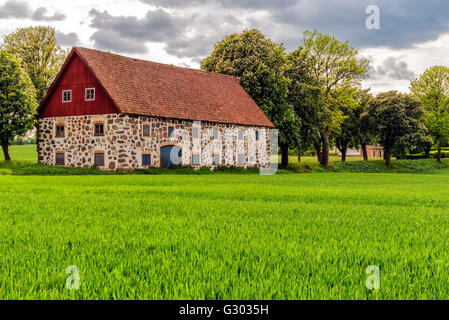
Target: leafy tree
{"type": "Point", "coordinates": [336, 65]}
{"type": "Point", "coordinates": [305, 97]}
{"type": "Point", "coordinates": [258, 64]}
{"type": "Point", "coordinates": [432, 88]}
{"type": "Point", "coordinates": [41, 57]}
{"type": "Point", "coordinates": [17, 101]}
{"type": "Point", "coordinates": [397, 119]}
{"type": "Point", "coordinates": [351, 132]}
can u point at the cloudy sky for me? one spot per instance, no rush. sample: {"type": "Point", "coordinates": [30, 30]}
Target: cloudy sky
{"type": "Point", "coordinates": [413, 34]}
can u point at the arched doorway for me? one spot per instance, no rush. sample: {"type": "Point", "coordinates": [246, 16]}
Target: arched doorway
{"type": "Point", "coordinates": [171, 156]}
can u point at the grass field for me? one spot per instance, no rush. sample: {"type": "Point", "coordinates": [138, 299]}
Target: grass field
{"type": "Point", "coordinates": [289, 236]}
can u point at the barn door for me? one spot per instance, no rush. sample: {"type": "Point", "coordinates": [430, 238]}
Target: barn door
{"type": "Point", "coordinates": [170, 156]}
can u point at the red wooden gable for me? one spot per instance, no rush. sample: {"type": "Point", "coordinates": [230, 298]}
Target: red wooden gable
{"type": "Point", "coordinates": [138, 87]}
{"type": "Point", "coordinates": [75, 76]}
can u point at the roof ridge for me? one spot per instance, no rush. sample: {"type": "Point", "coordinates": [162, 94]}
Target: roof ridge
{"type": "Point", "coordinates": [159, 63]}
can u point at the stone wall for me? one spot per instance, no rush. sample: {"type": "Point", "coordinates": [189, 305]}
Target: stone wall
{"type": "Point", "coordinates": [123, 142]}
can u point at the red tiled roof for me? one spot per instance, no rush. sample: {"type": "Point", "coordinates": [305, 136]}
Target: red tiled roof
{"type": "Point", "coordinates": [153, 89]}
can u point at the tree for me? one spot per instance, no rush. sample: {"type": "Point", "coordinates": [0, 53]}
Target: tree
{"type": "Point", "coordinates": [41, 57]}
{"type": "Point", "coordinates": [397, 119]}
{"type": "Point", "coordinates": [305, 97]}
{"type": "Point", "coordinates": [258, 64]}
{"type": "Point", "coordinates": [17, 101]}
{"type": "Point", "coordinates": [350, 134]}
{"type": "Point", "coordinates": [432, 88]}
{"type": "Point", "coordinates": [336, 65]}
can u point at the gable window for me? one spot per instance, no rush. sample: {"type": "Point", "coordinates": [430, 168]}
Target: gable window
{"type": "Point", "coordinates": [241, 159]}
{"type": "Point", "coordinates": [216, 158]}
{"type": "Point", "coordinates": [240, 135]}
{"type": "Point", "coordinates": [146, 130]}
{"type": "Point", "coordinates": [90, 94]}
{"type": "Point", "coordinates": [60, 131]}
{"type": "Point", "coordinates": [99, 159]}
{"type": "Point", "coordinates": [215, 134]}
{"type": "Point", "coordinates": [171, 131]}
{"type": "Point", "coordinates": [99, 129]}
{"type": "Point", "coordinates": [195, 159]}
{"type": "Point", "coordinates": [146, 160]}
{"type": "Point", "coordinates": [60, 159]}
{"type": "Point", "coordinates": [257, 135]}
{"type": "Point", "coordinates": [67, 96]}
{"type": "Point", "coordinates": [195, 133]}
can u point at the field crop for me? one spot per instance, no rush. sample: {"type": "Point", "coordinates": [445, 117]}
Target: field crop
{"type": "Point", "coordinates": [296, 236]}
{"type": "Point", "coordinates": [224, 236]}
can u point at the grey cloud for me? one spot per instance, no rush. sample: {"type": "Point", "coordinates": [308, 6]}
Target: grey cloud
{"type": "Point", "coordinates": [191, 28]}
{"type": "Point", "coordinates": [394, 69]}
{"type": "Point", "coordinates": [403, 22]}
{"type": "Point", "coordinates": [69, 39]}
{"type": "Point", "coordinates": [128, 34]}
{"type": "Point", "coordinates": [250, 4]}
{"type": "Point", "coordinates": [40, 15]}
{"type": "Point", "coordinates": [15, 9]}
{"type": "Point", "coordinates": [22, 10]}
{"type": "Point", "coordinates": [156, 26]}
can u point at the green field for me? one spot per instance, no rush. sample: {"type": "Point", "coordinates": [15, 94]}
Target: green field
{"type": "Point", "coordinates": [236, 236]}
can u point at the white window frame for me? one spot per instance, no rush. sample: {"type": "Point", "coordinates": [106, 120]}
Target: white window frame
{"type": "Point", "coordinates": [66, 101]}
{"type": "Point", "coordinates": [85, 94]}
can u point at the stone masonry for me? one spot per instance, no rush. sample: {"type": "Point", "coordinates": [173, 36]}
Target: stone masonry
{"type": "Point", "coordinates": [123, 142]}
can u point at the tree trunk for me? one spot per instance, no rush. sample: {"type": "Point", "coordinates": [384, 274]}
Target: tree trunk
{"type": "Point", "coordinates": [364, 152]}
{"type": "Point", "coordinates": [284, 156]}
{"type": "Point", "coordinates": [439, 154]}
{"type": "Point", "coordinates": [325, 153]}
{"type": "Point", "coordinates": [318, 154]}
{"type": "Point", "coordinates": [343, 153]}
{"type": "Point", "coordinates": [388, 157]}
{"type": "Point", "coordinates": [5, 150]}
{"type": "Point", "coordinates": [427, 152]}
{"type": "Point", "coordinates": [299, 155]}
{"type": "Point", "coordinates": [318, 151]}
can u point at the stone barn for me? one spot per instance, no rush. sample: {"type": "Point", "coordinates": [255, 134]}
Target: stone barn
{"type": "Point", "coordinates": [120, 113]}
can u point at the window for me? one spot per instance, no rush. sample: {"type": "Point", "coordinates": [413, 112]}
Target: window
{"type": "Point", "coordinates": [196, 159]}
{"type": "Point", "coordinates": [99, 159]}
{"type": "Point", "coordinates": [146, 130]}
{"type": "Point", "coordinates": [216, 159]}
{"type": "Point", "coordinates": [241, 159]}
{"type": "Point", "coordinates": [171, 131]}
{"type": "Point", "coordinates": [195, 133]}
{"type": "Point", "coordinates": [90, 94]}
{"type": "Point", "coordinates": [60, 159]}
{"type": "Point", "coordinates": [59, 131]}
{"type": "Point", "coordinates": [257, 135]}
{"type": "Point", "coordinates": [146, 159]}
{"type": "Point", "coordinates": [99, 129]}
{"type": "Point", "coordinates": [240, 135]}
{"type": "Point", "coordinates": [67, 96]}
{"type": "Point", "coordinates": [215, 134]}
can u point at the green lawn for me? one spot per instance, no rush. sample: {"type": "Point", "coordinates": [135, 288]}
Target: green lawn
{"type": "Point", "coordinates": [289, 236]}
{"type": "Point", "coordinates": [22, 153]}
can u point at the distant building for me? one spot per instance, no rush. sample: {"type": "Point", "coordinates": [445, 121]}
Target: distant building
{"type": "Point", "coordinates": [117, 112]}
{"type": "Point", "coordinates": [372, 150]}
